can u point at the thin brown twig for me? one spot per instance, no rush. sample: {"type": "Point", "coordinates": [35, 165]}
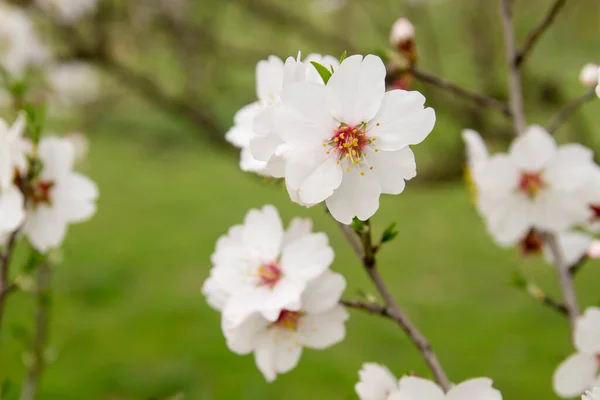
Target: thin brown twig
{"type": "Point", "coordinates": [474, 97]}
{"type": "Point", "coordinates": [575, 268]}
{"type": "Point", "coordinates": [534, 291]}
{"type": "Point", "coordinates": [40, 335]}
{"type": "Point", "coordinates": [538, 31]}
{"type": "Point", "coordinates": [391, 309]}
{"type": "Point", "coordinates": [5, 286]}
{"type": "Point", "coordinates": [569, 109]}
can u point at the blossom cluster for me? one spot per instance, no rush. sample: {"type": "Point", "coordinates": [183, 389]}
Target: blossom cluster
{"type": "Point", "coordinates": [40, 193]}
{"type": "Point", "coordinates": [275, 290]}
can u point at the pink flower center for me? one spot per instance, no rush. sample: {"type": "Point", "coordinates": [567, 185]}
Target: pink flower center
{"type": "Point", "coordinates": [42, 192]}
{"type": "Point", "coordinates": [288, 319]}
{"type": "Point", "coordinates": [269, 274]}
{"type": "Point", "coordinates": [351, 142]}
{"type": "Point", "coordinates": [531, 183]}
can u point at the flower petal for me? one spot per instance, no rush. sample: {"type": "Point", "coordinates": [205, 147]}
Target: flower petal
{"type": "Point", "coordinates": [533, 149]}
{"type": "Point", "coordinates": [240, 134]}
{"type": "Point", "coordinates": [277, 354]}
{"type": "Point", "coordinates": [263, 232]}
{"type": "Point", "coordinates": [357, 196]}
{"type": "Point", "coordinates": [587, 331]}
{"type": "Point", "coordinates": [58, 157]}
{"type": "Point", "coordinates": [474, 389]}
{"type": "Point", "coordinates": [393, 168]}
{"type": "Point", "coordinates": [573, 245]}
{"type": "Point", "coordinates": [75, 198]}
{"type": "Point", "coordinates": [243, 338]}
{"type": "Point", "coordinates": [323, 293]}
{"type": "Point", "coordinates": [269, 79]}
{"type": "Point", "coordinates": [574, 375]}
{"type": "Point", "coordinates": [12, 212]}
{"type": "Point", "coordinates": [402, 120]}
{"type": "Point", "coordinates": [298, 228]}
{"type": "Point", "coordinates": [420, 389]}
{"type": "Point", "coordinates": [320, 331]}
{"type": "Point", "coordinates": [45, 228]}
{"type": "Point", "coordinates": [307, 257]}
{"type": "Point", "coordinates": [376, 382]}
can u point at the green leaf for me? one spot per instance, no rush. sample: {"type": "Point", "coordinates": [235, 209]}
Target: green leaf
{"type": "Point", "coordinates": [323, 71]}
{"type": "Point", "coordinates": [389, 234]}
{"type": "Point", "coordinates": [343, 57]}
{"type": "Point", "coordinates": [357, 224]}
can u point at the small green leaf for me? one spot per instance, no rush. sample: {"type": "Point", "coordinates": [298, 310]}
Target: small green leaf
{"type": "Point", "coordinates": [343, 57]}
{"type": "Point", "coordinates": [357, 224]}
{"type": "Point", "coordinates": [323, 71]}
{"type": "Point", "coordinates": [389, 234]}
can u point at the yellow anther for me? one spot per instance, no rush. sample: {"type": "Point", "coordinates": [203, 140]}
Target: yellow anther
{"type": "Point", "coordinates": [371, 168]}
{"type": "Point", "coordinates": [324, 144]}
{"type": "Point", "coordinates": [362, 173]}
{"type": "Point", "coordinates": [348, 169]}
{"type": "Point", "coordinates": [376, 150]}
{"type": "Point", "coordinates": [358, 159]}
{"type": "Point", "coordinates": [328, 152]}
{"type": "Point", "coordinates": [341, 135]}
{"type": "Point", "coordinates": [354, 130]}
{"type": "Point", "coordinates": [373, 138]}
{"type": "Point", "coordinates": [338, 162]}
{"type": "Point", "coordinates": [353, 152]}
{"type": "Point", "coordinates": [347, 155]}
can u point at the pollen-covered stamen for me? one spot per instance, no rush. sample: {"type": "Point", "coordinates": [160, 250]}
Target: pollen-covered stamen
{"type": "Point", "coordinates": [288, 320]}
{"type": "Point", "coordinates": [351, 142]}
{"type": "Point", "coordinates": [41, 192]}
{"type": "Point", "coordinates": [531, 183]}
{"type": "Point", "coordinates": [269, 274]}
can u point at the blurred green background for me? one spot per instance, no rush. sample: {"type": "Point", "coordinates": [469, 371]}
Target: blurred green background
{"type": "Point", "coordinates": [129, 321]}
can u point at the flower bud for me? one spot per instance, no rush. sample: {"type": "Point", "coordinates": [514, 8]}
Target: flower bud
{"type": "Point", "coordinates": [403, 32]}
{"type": "Point", "coordinates": [589, 75]}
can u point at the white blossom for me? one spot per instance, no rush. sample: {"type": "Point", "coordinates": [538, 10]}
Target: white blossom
{"type": "Point", "coordinates": [477, 152]}
{"type": "Point", "coordinates": [349, 139]}
{"type": "Point", "coordinates": [80, 144]}
{"type": "Point", "coordinates": [589, 75]}
{"type": "Point", "coordinates": [13, 150]}
{"type": "Point", "coordinates": [573, 245]}
{"type": "Point", "coordinates": [579, 372]}
{"type": "Point", "coordinates": [537, 185]}
{"type": "Point", "coordinates": [277, 344]}
{"type": "Point", "coordinates": [376, 382]}
{"type": "Point", "coordinates": [591, 394]}
{"type": "Point", "coordinates": [68, 11]}
{"type": "Point", "coordinates": [402, 31]}
{"type": "Point", "coordinates": [61, 196]}
{"type": "Point", "coordinates": [20, 47]}
{"type": "Point", "coordinates": [12, 212]}
{"type": "Point", "coordinates": [257, 267]}
{"type": "Point", "coordinates": [240, 135]}
{"type": "Point", "coordinates": [598, 86]}
{"type": "Point", "coordinates": [73, 83]}
{"type": "Point", "coordinates": [414, 388]}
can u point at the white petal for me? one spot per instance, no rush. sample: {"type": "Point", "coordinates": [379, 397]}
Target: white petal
{"type": "Point", "coordinates": [241, 132]}
{"type": "Point", "coordinates": [263, 232]}
{"type": "Point", "coordinates": [376, 382]}
{"type": "Point", "coordinates": [269, 79]}
{"type": "Point", "coordinates": [356, 89]}
{"type": "Point", "coordinates": [323, 293]}
{"type": "Point", "coordinates": [298, 228]}
{"type": "Point", "coordinates": [216, 295]}
{"type": "Point", "coordinates": [420, 389]}
{"type": "Point", "coordinates": [303, 116]}
{"type": "Point", "coordinates": [278, 354]}
{"type": "Point", "coordinates": [533, 149]}
{"type": "Point", "coordinates": [393, 168]}
{"type": "Point", "coordinates": [241, 305]}
{"type": "Point", "coordinates": [587, 331]}
{"type": "Point", "coordinates": [45, 228]}
{"type": "Point", "coordinates": [574, 375]}
{"type": "Point", "coordinates": [477, 153]}
{"type": "Point", "coordinates": [293, 71]}
{"type": "Point", "coordinates": [12, 212]}
{"type": "Point", "coordinates": [307, 257]}
{"type": "Point", "coordinates": [357, 196]}
{"type": "Point", "coordinates": [75, 198]}
{"type": "Point", "coordinates": [313, 173]}
{"type": "Point", "coordinates": [402, 120]}
{"type": "Point", "coordinates": [558, 211]}
{"type": "Point", "coordinates": [319, 331]}
{"type": "Point", "coordinates": [573, 245]}
{"type": "Point", "coordinates": [285, 295]}
{"type": "Point", "coordinates": [499, 176]}
{"type": "Point", "coordinates": [571, 167]}
{"type": "Point", "coordinates": [250, 164]}
{"type": "Point", "coordinates": [58, 157]}
{"type": "Point", "coordinates": [263, 147]}
{"type": "Point", "coordinates": [474, 389]}
{"type": "Point", "coordinates": [509, 220]}
{"type": "Point", "coordinates": [245, 337]}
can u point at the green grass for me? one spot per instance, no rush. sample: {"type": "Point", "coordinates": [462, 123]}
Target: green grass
{"type": "Point", "coordinates": [130, 322]}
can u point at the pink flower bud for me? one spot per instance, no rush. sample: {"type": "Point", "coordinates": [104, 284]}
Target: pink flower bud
{"type": "Point", "coordinates": [589, 75]}
{"type": "Point", "coordinates": [402, 31]}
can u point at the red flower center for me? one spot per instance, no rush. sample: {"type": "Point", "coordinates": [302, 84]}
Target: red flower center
{"type": "Point", "coordinates": [531, 183]}
{"type": "Point", "coordinates": [532, 243]}
{"type": "Point", "coordinates": [269, 274]}
{"type": "Point", "coordinates": [350, 142]}
{"type": "Point", "coordinates": [596, 209]}
{"type": "Point", "coordinates": [288, 319]}
{"type": "Point", "coordinates": [42, 192]}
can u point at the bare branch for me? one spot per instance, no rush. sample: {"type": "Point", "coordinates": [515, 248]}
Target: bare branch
{"type": "Point", "coordinates": [536, 293]}
{"type": "Point", "coordinates": [5, 287]}
{"type": "Point", "coordinates": [372, 308]}
{"type": "Point", "coordinates": [538, 31]}
{"type": "Point", "coordinates": [575, 268]}
{"type": "Point", "coordinates": [478, 99]}
{"type": "Point", "coordinates": [569, 109]}
{"type": "Point", "coordinates": [515, 87]}
{"type": "Point", "coordinates": [391, 309]}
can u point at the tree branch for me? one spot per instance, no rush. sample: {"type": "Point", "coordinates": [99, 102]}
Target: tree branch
{"type": "Point", "coordinates": [5, 287]}
{"type": "Point", "coordinates": [569, 109]}
{"type": "Point", "coordinates": [478, 99]}
{"type": "Point", "coordinates": [534, 291]}
{"type": "Point", "coordinates": [391, 309]}
{"type": "Point", "coordinates": [538, 31]}
{"type": "Point", "coordinates": [40, 335]}
{"type": "Point", "coordinates": [515, 87]}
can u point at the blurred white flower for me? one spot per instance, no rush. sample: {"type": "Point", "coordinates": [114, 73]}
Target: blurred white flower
{"type": "Point", "coordinates": [328, 6]}
{"type": "Point", "coordinates": [537, 185]}
{"type": "Point", "coordinates": [598, 86]}
{"type": "Point", "coordinates": [376, 382]}
{"type": "Point", "coordinates": [579, 372]}
{"type": "Point", "coordinates": [60, 195]}
{"type": "Point", "coordinates": [80, 144]}
{"type": "Point", "coordinates": [477, 153]}
{"type": "Point", "coordinates": [73, 83]}
{"type": "Point", "coordinates": [20, 47]}
{"type": "Point", "coordinates": [277, 344]}
{"type": "Point", "coordinates": [12, 212]}
{"type": "Point", "coordinates": [414, 388]}
{"type": "Point", "coordinates": [591, 395]}
{"type": "Point", "coordinates": [257, 267]}
{"type": "Point", "coordinates": [68, 11]}
{"type": "Point", "coordinates": [13, 150]}
{"type": "Point", "coordinates": [573, 244]}
{"type": "Point", "coordinates": [240, 135]}
{"type": "Point", "coordinates": [589, 75]}
{"type": "Point", "coordinates": [349, 140]}
{"type": "Point", "coordinates": [402, 31]}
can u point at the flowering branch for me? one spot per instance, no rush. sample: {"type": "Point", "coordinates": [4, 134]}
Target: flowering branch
{"type": "Point", "coordinates": [569, 109]}
{"type": "Point", "coordinates": [538, 31]}
{"type": "Point", "coordinates": [6, 287]}
{"type": "Point", "coordinates": [40, 338]}
{"type": "Point", "coordinates": [534, 291]}
{"type": "Point", "coordinates": [476, 98]}
{"type": "Point", "coordinates": [391, 309]}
